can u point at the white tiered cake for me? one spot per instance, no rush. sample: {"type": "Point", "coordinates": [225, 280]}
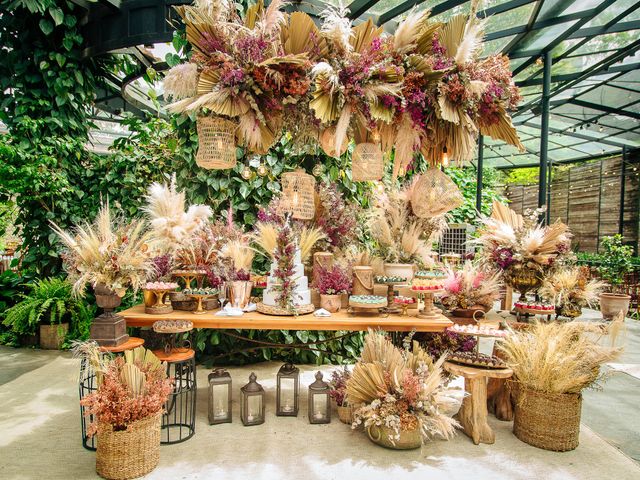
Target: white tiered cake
{"type": "Point", "coordinates": [302, 295]}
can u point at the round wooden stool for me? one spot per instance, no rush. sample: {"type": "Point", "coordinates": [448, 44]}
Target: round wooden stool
{"type": "Point", "coordinates": [179, 419]}
{"type": "Point", "coordinates": [473, 413]}
{"type": "Point", "coordinates": [88, 384]}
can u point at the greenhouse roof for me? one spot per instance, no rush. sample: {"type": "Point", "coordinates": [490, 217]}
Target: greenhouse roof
{"type": "Point", "coordinates": [595, 80]}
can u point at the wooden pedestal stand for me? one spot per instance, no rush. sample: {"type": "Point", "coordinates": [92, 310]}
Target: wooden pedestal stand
{"type": "Point", "coordinates": [473, 413]}
{"type": "Point", "coordinates": [429, 312]}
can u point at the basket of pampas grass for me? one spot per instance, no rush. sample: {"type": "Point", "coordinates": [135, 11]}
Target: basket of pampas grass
{"type": "Point", "coordinates": [552, 364]}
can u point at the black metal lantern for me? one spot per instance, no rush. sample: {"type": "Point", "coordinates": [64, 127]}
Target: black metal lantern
{"type": "Point", "coordinates": [252, 405]}
{"type": "Point", "coordinates": [319, 404]}
{"type": "Point", "coordinates": [219, 396]}
{"type": "Point", "coordinates": [287, 391]}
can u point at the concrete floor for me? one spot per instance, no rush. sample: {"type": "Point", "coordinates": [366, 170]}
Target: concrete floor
{"type": "Point", "coordinates": [40, 436]}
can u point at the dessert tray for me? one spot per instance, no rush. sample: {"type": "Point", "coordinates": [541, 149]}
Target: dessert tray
{"type": "Point", "coordinates": [385, 280]}
{"type": "Point", "coordinates": [285, 312]}
{"type": "Point", "coordinates": [172, 326]}
{"type": "Point", "coordinates": [367, 301]}
{"type": "Point", "coordinates": [534, 308]}
{"type": "Point", "coordinates": [474, 359]}
{"type": "Point", "coordinates": [478, 331]}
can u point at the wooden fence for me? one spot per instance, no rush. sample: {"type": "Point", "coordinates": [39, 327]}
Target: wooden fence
{"type": "Point", "coordinates": [587, 197]}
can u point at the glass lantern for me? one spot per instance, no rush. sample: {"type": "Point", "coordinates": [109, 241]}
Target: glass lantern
{"type": "Point", "coordinates": [252, 404]}
{"type": "Point", "coordinates": [219, 396]}
{"type": "Point", "coordinates": [319, 404]}
{"type": "Point", "coordinates": [287, 392]}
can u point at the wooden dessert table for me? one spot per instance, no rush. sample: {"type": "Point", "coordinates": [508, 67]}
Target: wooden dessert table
{"type": "Point", "coordinates": [136, 317]}
{"type": "Point", "coordinates": [473, 413]}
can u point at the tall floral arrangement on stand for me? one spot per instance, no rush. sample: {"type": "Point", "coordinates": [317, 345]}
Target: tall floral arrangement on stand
{"type": "Point", "coordinates": [239, 69]}
{"type": "Point", "coordinates": [285, 268]}
{"type": "Point", "coordinates": [400, 391]}
{"type": "Point", "coordinates": [520, 248]}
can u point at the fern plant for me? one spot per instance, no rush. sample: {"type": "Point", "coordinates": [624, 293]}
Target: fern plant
{"type": "Point", "coordinates": [50, 300]}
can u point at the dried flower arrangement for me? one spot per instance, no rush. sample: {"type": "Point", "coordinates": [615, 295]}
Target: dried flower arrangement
{"type": "Point", "coordinates": [338, 385]}
{"type": "Point", "coordinates": [423, 89]}
{"type": "Point", "coordinates": [335, 217]}
{"type": "Point", "coordinates": [266, 238]}
{"type": "Point", "coordinates": [109, 251]}
{"type": "Point", "coordinates": [401, 236]}
{"type": "Point", "coordinates": [401, 389]}
{"type": "Point", "coordinates": [170, 224]}
{"type": "Point", "coordinates": [238, 258]}
{"type": "Point", "coordinates": [470, 287]}
{"type": "Point", "coordinates": [240, 68]}
{"type": "Point", "coordinates": [284, 255]}
{"type": "Point", "coordinates": [161, 267]}
{"type": "Point", "coordinates": [509, 239]}
{"type": "Point", "coordinates": [559, 357]}
{"type": "Point", "coordinates": [438, 344]}
{"type": "Point", "coordinates": [130, 388]}
{"type": "Point", "coordinates": [571, 286]}
{"type": "Point", "coordinates": [333, 281]}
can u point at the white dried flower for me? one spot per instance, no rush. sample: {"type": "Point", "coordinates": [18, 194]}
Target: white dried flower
{"type": "Point", "coordinates": [181, 81]}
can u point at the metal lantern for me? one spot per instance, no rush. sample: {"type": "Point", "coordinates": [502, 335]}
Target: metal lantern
{"type": "Point", "coordinates": [319, 404]}
{"type": "Point", "coordinates": [219, 396]}
{"type": "Point", "coordinates": [287, 391]}
{"type": "Point", "coordinates": [299, 190]}
{"type": "Point", "coordinates": [252, 405]}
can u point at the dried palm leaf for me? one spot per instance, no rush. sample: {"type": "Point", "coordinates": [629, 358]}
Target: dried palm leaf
{"type": "Point", "coordinates": [363, 34]}
{"type": "Point", "coordinates": [452, 34]}
{"type": "Point", "coordinates": [300, 35]}
{"type": "Point", "coordinates": [309, 236]}
{"type": "Point", "coordinates": [503, 130]}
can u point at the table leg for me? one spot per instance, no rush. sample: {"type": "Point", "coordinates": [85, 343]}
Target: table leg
{"type": "Point", "coordinates": [473, 413]}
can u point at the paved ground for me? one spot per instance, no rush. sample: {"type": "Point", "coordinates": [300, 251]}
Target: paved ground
{"type": "Point", "coordinates": [40, 437]}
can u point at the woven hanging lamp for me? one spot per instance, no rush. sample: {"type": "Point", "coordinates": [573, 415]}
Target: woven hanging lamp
{"type": "Point", "coordinates": [298, 193]}
{"type": "Point", "coordinates": [434, 193]}
{"type": "Point", "coordinates": [217, 143]}
{"type": "Point", "coordinates": [367, 162]}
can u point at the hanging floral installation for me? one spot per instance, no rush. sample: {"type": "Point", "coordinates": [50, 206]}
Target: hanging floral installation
{"type": "Point", "coordinates": [424, 89]}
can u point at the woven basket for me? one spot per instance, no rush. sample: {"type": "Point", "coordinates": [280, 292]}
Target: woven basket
{"type": "Point", "coordinates": [550, 421]}
{"type": "Point", "coordinates": [367, 162]}
{"type": "Point", "coordinates": [217, 143]}
{"type": "Point", "coordinates": [434, 193]}
{"type": "Point", "coordinates": [128, 453]}
{"type": "Point", "coordinates": [298, 189]}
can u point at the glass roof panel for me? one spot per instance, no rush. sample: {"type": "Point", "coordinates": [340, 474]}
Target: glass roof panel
{"type": "Point", "coordinates": [511, 18]}
{"type": "Point", "coordinates": [609, 13]}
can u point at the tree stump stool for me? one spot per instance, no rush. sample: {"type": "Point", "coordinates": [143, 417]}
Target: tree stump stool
{"type": "Point", "coordinates": [473, 413]}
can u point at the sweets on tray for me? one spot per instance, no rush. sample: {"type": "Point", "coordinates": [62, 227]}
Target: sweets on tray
{"type": "Point", "coordinates": [391, 279]}
{"type": "Point", "coordinates": [172, 326]}
{"type": "Point", "coordinates": [160, 286]}
{"type": "Point", "coordinates": [370, 301]}
{"type": "Point", "coordinates": [426, 284]}
{"type": "Point", "coordinates": [476, 359]}
{"type": "Point", "coordinates": [430, 275]}
{"type": "Point", "coordinates": [404, 300]}
{"type": "Point", "coordinates": [200, 291]}
{"type": "Point", "coordinates": [477, 330]}
{"type": "Point", "coordinates": [539, 307]}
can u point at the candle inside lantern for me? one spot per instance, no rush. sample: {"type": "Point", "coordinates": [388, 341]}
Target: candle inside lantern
{"type": "Point", "coordinates": [254, 410]}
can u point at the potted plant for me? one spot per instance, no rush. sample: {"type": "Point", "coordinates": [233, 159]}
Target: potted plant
{"type": "Point", "coordinates": [552, 363]}
{"type": "Point", "coordinates": [520, 248]}
{"type": "Point", "coordinates": [127, 410]}
{"type": "Point", "coordinates": [470, 290]}
{"type": "Point", "coordinates": [400, 396]}
{"type": "Point", "coordinates": [332, 284]}
{"type": "Point", "coordinates": [403, 239]}
{"type": "Point", "coordinates": [47, 309]}
{"type": "Point", "coordinates": [615, 264]}
{"type": "Point", "coordinates": [338, 393]}
{"type": "Point", "coordinates": [570, 290]}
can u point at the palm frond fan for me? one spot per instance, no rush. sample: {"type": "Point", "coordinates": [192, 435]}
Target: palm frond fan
{"type": "Point", "coordinates": [327, 142]}
{"type": "Point", "coordinates": [216, 143]}
{"type": "Point", "coordinates": [434, 193]}
{"type": "Point", "coordinates": [298, 193]}
{"type": "Point", "coordinates": [367, 162]}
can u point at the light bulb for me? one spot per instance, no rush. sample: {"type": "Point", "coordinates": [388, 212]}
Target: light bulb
{"type": "Point", "coordinates": [262, 170]}
{"type": "Point", "coordinates": [317, 169]}
{"type": "Point", "coordinates": [246, 172]}
{"type": "Point", "coordinates": [295, 199]}
{"type": "Point", "coordinates": [375, 136]}
{"type": "Point", "coordinates": [445, 157]}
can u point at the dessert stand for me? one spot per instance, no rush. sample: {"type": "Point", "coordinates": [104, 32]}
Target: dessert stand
{"type": "Point", "coordinates": [368, 305]}
{"type": "Point", "coordinates": [159, 307]}
{"type": "Point", "coordinates": [391, 307]}
{"type": "Point", "coordinates": [199, 297]}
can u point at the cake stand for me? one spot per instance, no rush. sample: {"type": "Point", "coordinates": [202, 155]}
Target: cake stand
{"type": "Point", "coordinates": [188, 276]}
{"type": "Point", "coordinates": [369, 307]}
{"type": "Point", "coordinates": [199, 297]}
{"type": "Point", "coordinates": [159, 307]}
{"type": "Point", "coordinates": [391, 307]}
{"type": "Point", "coordinates": [429, 312]}
{"type": "Point", "coordinates": [171, 328]}
{"type": "Point", "coordinates": [404, 307]}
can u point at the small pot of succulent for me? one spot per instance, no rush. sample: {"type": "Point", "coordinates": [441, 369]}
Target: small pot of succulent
{"type": "Point", "coordinates": [338, 393]}
{"type": "Point", "coordinates": [403, 239]}
{"type": "Point", "coordinates": [570, 290]}
{"type": "Point", "coordinates": [400, 395]}
{"type": "Point", "coordinates": [470, 290]}
{"type": "Point", "coordinates": [332, 284]}
{"type": "Point", "coordinates": [48, 309]}
{"type": "Point", "coordinates": [615, 264]}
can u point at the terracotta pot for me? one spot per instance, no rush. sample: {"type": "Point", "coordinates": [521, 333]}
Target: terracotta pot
{"type": "Point", "coordinates": [331, 303]}
{"type": "Point", "coordinates": [403, 270]}
{"type": "Point", "coordinates": [385, 437]}
{"type": "Point", "coordinates": [611, 304]}
{"type": "Point", "coordinates": [477, 311]}
{"type": "Point", "coordinates": [52, 336]}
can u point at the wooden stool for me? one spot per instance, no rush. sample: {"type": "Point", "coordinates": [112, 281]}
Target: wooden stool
{"type": "Point", "coordinates": [179, 419]}
{"type": "Point", "coordinates": [473, 413]}
{"type": "Point", "coordinates": [88, 384]}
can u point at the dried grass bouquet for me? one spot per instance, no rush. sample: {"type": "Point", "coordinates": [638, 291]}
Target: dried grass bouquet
{"type": "Point", "coordinates": [470, 287]}
{"type": "Point", "coordinates": [401, 390]}
{"type": "Point", "coordinates": [572, 286]}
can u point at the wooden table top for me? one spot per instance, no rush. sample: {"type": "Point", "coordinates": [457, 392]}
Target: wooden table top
{"type": "Point", "coordinates": [468, 371]}
{"type": "Point", "coordinates": [136, 317]}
